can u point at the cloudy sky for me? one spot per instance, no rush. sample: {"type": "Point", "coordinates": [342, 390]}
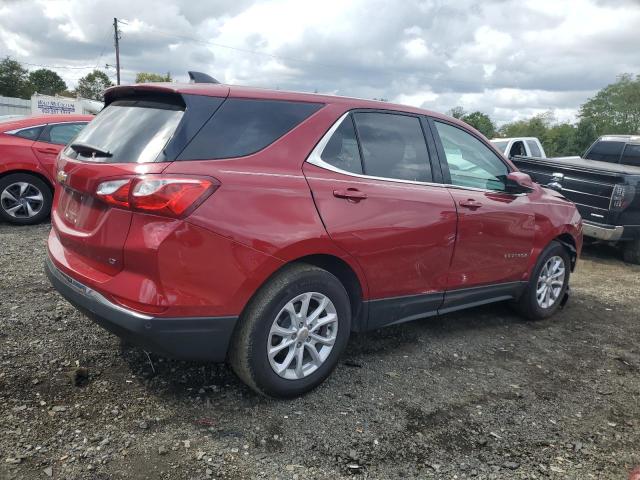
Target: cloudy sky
{"type": "Point", "coordinates": [508, 58]}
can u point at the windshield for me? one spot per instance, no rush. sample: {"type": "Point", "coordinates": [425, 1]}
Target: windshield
{"type": "Point", "coordinates": [127, 131]}
{"type": "Point", "coordinates": [500, 145]}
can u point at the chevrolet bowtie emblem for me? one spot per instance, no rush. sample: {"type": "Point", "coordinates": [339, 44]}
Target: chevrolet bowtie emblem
{"type": "Point", "coordinates": [62, 176]}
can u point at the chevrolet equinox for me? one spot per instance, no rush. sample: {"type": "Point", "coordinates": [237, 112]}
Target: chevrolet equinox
{"type": "Point", "coordinates": [221, 223]}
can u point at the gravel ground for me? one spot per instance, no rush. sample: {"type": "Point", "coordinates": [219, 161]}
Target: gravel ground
{"type": "Point", "coordinates": [479, 394]}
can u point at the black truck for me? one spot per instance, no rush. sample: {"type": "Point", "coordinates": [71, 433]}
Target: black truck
{"type": "Point", "coordinates": [605, 186]}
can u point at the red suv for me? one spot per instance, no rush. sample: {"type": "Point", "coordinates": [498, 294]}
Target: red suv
{"type": "Point", "coordinates": [261, 227]}
{"type": "Point", "coordinates": [28, 150]}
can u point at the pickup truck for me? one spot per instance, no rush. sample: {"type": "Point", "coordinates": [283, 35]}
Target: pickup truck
{"type": "Point", "coordinates": [520, 146]}
{"type": "Point", "coordinates": [605, 186]}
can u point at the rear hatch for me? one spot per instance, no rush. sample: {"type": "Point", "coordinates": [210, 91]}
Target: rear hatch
{"type": "Point", "coordinates": [129, 138]}
{"type": "Point", "coordinates": [591, 187]}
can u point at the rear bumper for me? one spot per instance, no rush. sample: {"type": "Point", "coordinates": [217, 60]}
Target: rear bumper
{"type": "Point", "coordinates": [186, 338]}
{"type": "Point", "coordinates": [608, 233]}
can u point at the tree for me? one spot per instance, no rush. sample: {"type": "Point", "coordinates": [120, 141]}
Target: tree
{"type": "Point", "coordinates": [46, 82]}
{"type": "Point", "coordinates": [457, 112]}
{"type": "Point", "coordinates": [14, 79]}
{"type": "Point", "coordinates": [147, 77]}
{"type": "Point", "coordinates": [481, 122]}
{"type": "Point", "coordinates": [613, 110]}
{"type": "Point", "coordinates": [560, 140]}
{"type": "Point", "coordinates": [92, 85]}
{"type": "Point", "coordinates": [536, 126]}
{"type": "Point", "coordinates": [585, 134]}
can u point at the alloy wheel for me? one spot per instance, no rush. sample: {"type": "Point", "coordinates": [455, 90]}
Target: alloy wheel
{"type": "Point", "coordinates": [550, 282]}
{"type": "Point", "coordinates": [302, 335]}
{"type": "Point", "coordinates": [21, 200]}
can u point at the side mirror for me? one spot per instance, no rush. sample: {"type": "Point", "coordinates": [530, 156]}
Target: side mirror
{"type": "Point", "coordinates": [518, 182]}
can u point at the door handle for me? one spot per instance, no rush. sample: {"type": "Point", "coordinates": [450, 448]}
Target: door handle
{"type": "Point", "coordinates": [470, 203]}
{"type": "Point", "coordinates": [352, 194]}
{"type": "Point", "coordinates": [53, 151]}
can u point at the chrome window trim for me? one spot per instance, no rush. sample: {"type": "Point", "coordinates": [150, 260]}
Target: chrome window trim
{"type": "Point", "coordinates": [315, 158]}
{"type": "Point", "coordinates": [14, 131]}
{"type": "Point", "coordinates": [17, 130]}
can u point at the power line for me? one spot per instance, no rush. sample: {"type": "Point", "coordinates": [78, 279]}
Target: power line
{"type": "Point", "coordinates": [244, 50]}
{"type": "Point", "coordinates": [104, 47]}
{"type": "Point", "coordinates": [71, 67]}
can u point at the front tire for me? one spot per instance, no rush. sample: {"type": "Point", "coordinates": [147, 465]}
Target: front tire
{"type": "Point", "coordinates": [548, 284]}
{"type": "Point", "coordinates": [25, 199]}
{"type": "Point", "coordinates": [631, 251]}
{"type": "Point", "coordinates": [292, 333]}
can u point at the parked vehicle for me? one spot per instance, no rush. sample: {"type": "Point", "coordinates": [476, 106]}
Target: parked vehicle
{"type": "Point", "coordinates": [604, 184]}
{"type": "Point", "coordinates": [28, 150]}
{"type": "Point", "coordinates": [261, 227]}
{"type": "Point", "coordinates": [520, 146]}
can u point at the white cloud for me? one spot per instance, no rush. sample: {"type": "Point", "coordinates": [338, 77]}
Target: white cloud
{"type": "Point", "coordinates": [508, 58]}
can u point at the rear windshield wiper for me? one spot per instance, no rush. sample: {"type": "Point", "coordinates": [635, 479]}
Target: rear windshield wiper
{"type": "Point", "coordinates": [90, 150]}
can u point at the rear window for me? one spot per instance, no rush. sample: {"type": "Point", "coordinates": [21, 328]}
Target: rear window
{"type": "Point", "coordinates": [604, 151]}
{"type": "Point", "coordinates": [631, 155]}
{"type": "Point", "coordinates": [127, 131]}
{"type": "Point", "coordinates": [241, 127]}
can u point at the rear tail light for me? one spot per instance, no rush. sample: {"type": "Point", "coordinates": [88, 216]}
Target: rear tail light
{"type": "Point", "coordinates": [622, 196]}
{"type": "Point", "coordinates": [115, 192]}
{"type": "Point", "coordinates": [158, 194]}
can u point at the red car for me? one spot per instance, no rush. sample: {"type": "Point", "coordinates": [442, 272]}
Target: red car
{"type": "Point", "coordinates": [215, 222]}
{"type": "Point", "coordinates": [29, 147]}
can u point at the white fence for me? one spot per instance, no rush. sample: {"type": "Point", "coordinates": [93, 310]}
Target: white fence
{"type": "Point", "coordinates": [44, 104]}
{"type": "Point", "coordinates": [14, 106]}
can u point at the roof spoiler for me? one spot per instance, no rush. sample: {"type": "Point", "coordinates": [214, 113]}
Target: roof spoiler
{"type": "Point", "coordinates": [199, 77]}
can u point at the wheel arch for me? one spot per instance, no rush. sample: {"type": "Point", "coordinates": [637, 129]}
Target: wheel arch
{"type": "Point", "coordinates": [29, 172]}
{"type": "Point", "coordinates": [569, 243]}
{"type": "Point", "coordinates": [343, 271]}
{"type": "Point", "coordinates": [347, 276]}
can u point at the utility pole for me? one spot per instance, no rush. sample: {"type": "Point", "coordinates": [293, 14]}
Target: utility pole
{"type": "Point", "coordinates": [116, 37]}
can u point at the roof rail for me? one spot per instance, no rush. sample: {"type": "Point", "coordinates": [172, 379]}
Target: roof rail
{"type": "Point", "coordinates": [199, 77]}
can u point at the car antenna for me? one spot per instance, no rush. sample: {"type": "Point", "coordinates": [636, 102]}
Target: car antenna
{"type": "Point", "coordinates": [199, 77]}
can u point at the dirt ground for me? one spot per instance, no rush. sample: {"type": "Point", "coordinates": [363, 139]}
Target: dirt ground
{"type": "Point", "coordinates": [478, 394]}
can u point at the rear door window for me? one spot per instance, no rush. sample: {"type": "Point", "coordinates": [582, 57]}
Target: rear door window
{"type": "Point", "coordinates": [342, 150]}
{"type": "Point", "coordinates": [605, 151]}
{"type": "Point", "coordinates": [241, 127]}
{"type": "Point", "coordinates": [631, 155]}
{"type": "Point", "coordinates": [128, 131]}
{"type": "Point", "coordinates": [62, 133]}
{"type": "Point", "coordinates": [393, 146]}
{"type": "Point", "coordinates": [29, 133]}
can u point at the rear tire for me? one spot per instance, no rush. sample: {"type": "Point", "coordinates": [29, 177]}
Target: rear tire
{"type": "Point", "coordinates": [631, 251]}
{"type": "Point", "coordinates": [276, 320]}
{"type": "Point", "coordinates": [543, 295]}
{"type": "Point", "coordinates": [25, 199]}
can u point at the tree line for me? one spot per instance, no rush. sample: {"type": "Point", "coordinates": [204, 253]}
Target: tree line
{"type": "Point", "coordinates": [17, 81]}
{"type": "Point", "coordinates": [613, 110]}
